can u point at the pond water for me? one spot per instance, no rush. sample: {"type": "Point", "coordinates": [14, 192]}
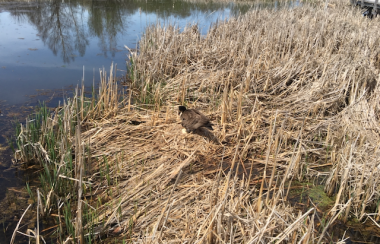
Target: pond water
{"type": "Point", "coordinates": [47, 47]}
{"type": "Point", "coordinates": [47, 44]}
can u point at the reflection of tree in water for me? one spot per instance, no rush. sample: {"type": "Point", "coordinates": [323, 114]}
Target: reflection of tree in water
{"type": "Point", "coordinates": [108, 18]}
{"type": "Point", "coordinates": [61, 27]}
{"type": "Point", "coordinates": [180, 9]}
{"type": "Point", "coordinates": [106, 21]}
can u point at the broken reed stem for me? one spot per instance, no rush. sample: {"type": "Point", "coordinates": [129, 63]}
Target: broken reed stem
{"type": "Point", "coordinates": [82, 97]}
{"type": "Point", "coordinates": [158, 225]}
{"type": "Point", "coordinates": [38, 217]}
{"type": "Point", "coordinates": [272, 129]}
{"type": "Point", "coordinates": [129, 97]}
{"type": "Point", "coordinates": [277, 149]}
{"type": "Point", "coordinates": [79, 225]}
{"type": "Point", "coordinates": [291, 227]}
{"type": "Point", "coordinates": [344, 177]}
{"type": "Point", "coordinates": [331, 220]}
{"type": "Point", "coordinates": [214, 199]}
{"type": "Point", "coordinates": [18, 224]}
{"type": "Point", "coordinates": [224, 103]}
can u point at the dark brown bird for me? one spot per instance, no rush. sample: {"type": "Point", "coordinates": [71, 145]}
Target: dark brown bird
{"type": "Point", "coordinates": [193, 119]}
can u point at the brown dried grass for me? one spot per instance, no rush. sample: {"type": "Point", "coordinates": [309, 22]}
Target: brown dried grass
{"type": "Point", "coordinates": [289, 91]}
{"type": "Point", "coordinates": [299, 86]}
{"type": "Point", "coordinates": [170, 188]}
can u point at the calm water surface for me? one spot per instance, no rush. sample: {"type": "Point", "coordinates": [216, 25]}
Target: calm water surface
{"type": "Point", "coordinates": [46, 45]}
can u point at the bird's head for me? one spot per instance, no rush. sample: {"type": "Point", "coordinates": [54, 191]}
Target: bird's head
{"type": "Point", "coordinates": [182, 109]}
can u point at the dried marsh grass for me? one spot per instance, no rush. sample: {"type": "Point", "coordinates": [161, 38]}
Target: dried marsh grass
{"type": "Point", "coordinates": [170, 188]}
{"type": "Point", "coordinates": [298, 84]}
{"type": "Point", "coordinates": [290, 92]}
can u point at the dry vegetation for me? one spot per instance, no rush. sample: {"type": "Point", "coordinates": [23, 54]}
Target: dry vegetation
{"type": "Point", "coordinates": [293, 94]}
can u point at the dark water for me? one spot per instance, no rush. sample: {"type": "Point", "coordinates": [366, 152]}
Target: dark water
{"type": "Point", "coordinates": [46, 47]}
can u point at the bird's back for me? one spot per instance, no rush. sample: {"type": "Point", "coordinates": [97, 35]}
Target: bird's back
{"type": "Point", "coordinates": [193, 119]}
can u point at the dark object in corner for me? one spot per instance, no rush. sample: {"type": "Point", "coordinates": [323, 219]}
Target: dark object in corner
{"type": "Point", "coordinates": [368, 13]}
{"type": "Point", "coordinates": [371, 9]}
{"type": "Point", "coordinates": [192, 119]}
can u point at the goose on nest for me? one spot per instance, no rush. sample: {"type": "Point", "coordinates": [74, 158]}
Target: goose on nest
{"type": "Point", "coordinates": [192, 119]}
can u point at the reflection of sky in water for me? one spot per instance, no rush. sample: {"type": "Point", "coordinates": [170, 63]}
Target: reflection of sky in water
{"type": "Point", "coordinates": [139, 20]}
{"type": "Point", "coordinates": [28, 63]}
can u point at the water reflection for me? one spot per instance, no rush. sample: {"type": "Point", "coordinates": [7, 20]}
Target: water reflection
{"type": "Point", "coordinates": [61, 28]}
{"type": "Point", "coordinates": [67, 27]}
{"type": "Point", "coordinates": [46, 44]}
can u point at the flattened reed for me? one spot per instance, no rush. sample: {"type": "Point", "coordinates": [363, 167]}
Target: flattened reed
{"type": "Point", "coordinates": [308, 74]}
{"type": "Point", "coordinates": [290, 92]}
{"type": "Point", "coordinates": [168, 190]}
